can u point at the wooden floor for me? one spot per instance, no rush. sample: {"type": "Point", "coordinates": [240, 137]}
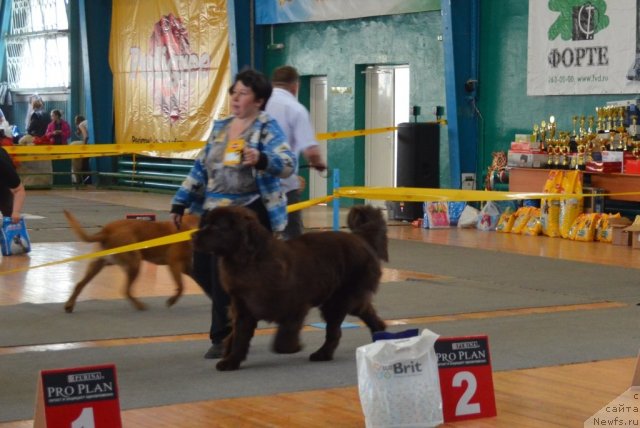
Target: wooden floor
{"type": "Point", "coordinates": [563, 396]}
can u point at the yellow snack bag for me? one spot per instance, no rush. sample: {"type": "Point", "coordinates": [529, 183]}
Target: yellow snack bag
{"type": "Point", "coordinates": [533, 227]}
{"type": "Point", "coordinates": [550, 208]}
{"type": "Point", "coordinates": [523, 215]}
{"type": "Point", "coordinates": [233, 153]}
{"type": "Point", "coordinates": [570, 208]}
{"type": "Point", "coordinates": [586, 227]}
{"type": "Point", "coordinates": [505, 222]}
{"type": "Point", "coordinates": [604, 230]}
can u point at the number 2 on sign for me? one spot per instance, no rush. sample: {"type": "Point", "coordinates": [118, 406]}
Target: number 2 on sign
{"type": "Point", "coordinates": [464, 407]}
{"type": "Point", "coordinates": [85, 420]}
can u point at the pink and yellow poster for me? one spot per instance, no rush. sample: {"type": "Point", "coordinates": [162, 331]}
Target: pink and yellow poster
{"type": "Point", "coordinates": [171, 69]}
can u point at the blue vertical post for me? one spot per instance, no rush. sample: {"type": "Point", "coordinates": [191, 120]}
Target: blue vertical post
{"type": "Point", "coordinates": [336, 201]}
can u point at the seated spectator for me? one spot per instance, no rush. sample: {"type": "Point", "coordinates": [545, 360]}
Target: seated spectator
{"type": "Point", "coordinates": [82, 131]}
{"type": "Point", "coordinates": [58, 130]}
{"type": "Point", "coordinates": [38, 122]}
{"type": "Point", "coordinates": [5, 128]}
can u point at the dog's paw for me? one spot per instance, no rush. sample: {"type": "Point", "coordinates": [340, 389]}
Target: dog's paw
{"type": "Point", "coordinates": [227, 365]}
{"type": "Point", "coordinates": [320, 356]}
{"type": "Point", "coordinates": [172, 301]}
{"type": "Point", "coordinates": [292, 348]}
{"type": "Point", "coordinates": [68, 307]}
{"type": "Point", "coordinates": [140, 306]}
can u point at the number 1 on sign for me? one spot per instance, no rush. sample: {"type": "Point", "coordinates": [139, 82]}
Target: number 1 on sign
{"type": "Point", "coordinates": [464, 407]}
{"type": "Point", "coordinates": [85, 420]}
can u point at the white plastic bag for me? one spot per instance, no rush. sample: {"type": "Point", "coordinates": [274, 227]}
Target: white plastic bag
{"type": "Point", "coordinates": [469, 217]}
{"type": "Point", "coordinates": [398, 382]}
{"type": "Point", "coordinates": [488, 217]}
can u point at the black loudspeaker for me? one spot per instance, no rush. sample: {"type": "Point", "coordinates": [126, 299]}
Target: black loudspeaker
{"type": "Point", "coordinates": [418, 165]}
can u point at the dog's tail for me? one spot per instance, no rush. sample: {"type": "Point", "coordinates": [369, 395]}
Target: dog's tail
{"type": "Point", "coordinates": [80, 232]}
{"type": "Point", "coordinates": [369, 223]}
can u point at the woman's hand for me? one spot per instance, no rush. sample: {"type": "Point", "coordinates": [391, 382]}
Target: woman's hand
{"type": "Point", "coordinates": [177, 219]}
{"type": "Point", "coordinates": [250, 156]}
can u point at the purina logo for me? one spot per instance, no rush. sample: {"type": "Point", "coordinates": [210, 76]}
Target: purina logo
{"type": "Point", "coordinates": [579, 19]}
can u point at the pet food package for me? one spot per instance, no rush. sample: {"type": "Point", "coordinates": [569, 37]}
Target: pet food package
{"type": "Point", "coordinates": [505, 221]}
{"type": "Point", "coordinates": [398, 382]}
{"type": "Point", "coordinates": [14, 239]}
{"type": "Point", "coordinates": [550, 208]}
{"type": "Point", "coordinates": [572, 207]}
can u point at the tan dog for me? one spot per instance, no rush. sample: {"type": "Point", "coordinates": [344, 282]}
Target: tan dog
{"type": "Point", "coordinates": [124, 232]}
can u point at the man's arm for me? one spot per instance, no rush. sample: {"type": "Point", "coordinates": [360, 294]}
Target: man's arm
{"type": "Point", "coordinates": [19, 195]}
{"type": "Point", "coordinates": [314, 158]}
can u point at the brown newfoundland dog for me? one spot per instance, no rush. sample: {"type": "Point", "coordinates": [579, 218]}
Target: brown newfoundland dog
{"type": "Point", "coordinates": [279, 281]}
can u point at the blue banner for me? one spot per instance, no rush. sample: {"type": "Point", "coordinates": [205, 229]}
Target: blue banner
{"type": "Point", "coordinates": [286, 11]}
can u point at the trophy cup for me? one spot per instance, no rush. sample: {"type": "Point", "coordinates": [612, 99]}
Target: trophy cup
{"type": "Point", "coordinates": [633, 129]}
{"type": "Point", "coordinates": [543, 135]}
{"type": "Point", "coordinates": [580, 154]}
{"type": "Point", "coordinates": [566, 152]}
{"type": "Point", "coordinates": [599, 116]}
{"type": "Point", "coordinates": [550, 156]}
{"type": "Point", "coordinates": [590, 147]}
{"type": "Point", "coordinates": [635, 148]}
{"type": "Point", "coordinates": [622, 112]}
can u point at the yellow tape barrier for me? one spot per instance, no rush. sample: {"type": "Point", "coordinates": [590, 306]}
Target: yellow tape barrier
{"type": "Point", "coordinates": [378, 193]}
{"type": "Point", "coordinates": [419, 194]}
{"type": "Point", "coordinates": [169, 239]}
{"type": "Point", "coordinates": [406, 194]}
{"type": "Point", "coordinates": [103, 148]}
{"type": "Point", "coordinates": [38, 153]}
{"type": "Point", "coordinates": [28, 158]}
{"type": "Point", "coordinates": [356, 133]}
{"type": "Point", "coordinates": [306, 204]}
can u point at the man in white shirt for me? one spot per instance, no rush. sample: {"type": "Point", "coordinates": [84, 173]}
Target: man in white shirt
{"type": "Point", "coordinates": [294, 120]}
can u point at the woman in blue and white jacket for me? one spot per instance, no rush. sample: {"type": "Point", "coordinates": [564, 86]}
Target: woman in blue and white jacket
{"type": "Point", "coordinates": [241, 164]}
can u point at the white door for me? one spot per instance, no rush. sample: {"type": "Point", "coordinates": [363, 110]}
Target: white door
{"type": "Point", "coordinates": [318, 111]}
{"type": "Point", "coordinates": [386, 105]}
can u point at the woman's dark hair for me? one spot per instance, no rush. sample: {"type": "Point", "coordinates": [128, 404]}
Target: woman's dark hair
{"type": "Point", "coordinates": [57, 112]}
{"type": "Point", "coordinates": [258, 83]}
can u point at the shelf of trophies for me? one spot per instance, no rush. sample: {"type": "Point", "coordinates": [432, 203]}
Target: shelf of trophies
{"type": "Point", "coordinates": [604, 146]}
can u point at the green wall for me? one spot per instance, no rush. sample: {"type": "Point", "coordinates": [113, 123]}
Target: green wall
{"type": "Point", "coordinates": [502, 86]}
{"type": "Point", "coordinates": [341, 49]}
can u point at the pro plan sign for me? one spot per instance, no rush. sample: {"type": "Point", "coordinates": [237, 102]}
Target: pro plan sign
{"type": "Point", "coordinates": [81, 397]}
{"type": "Point", "coordinates": [466, 380]}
